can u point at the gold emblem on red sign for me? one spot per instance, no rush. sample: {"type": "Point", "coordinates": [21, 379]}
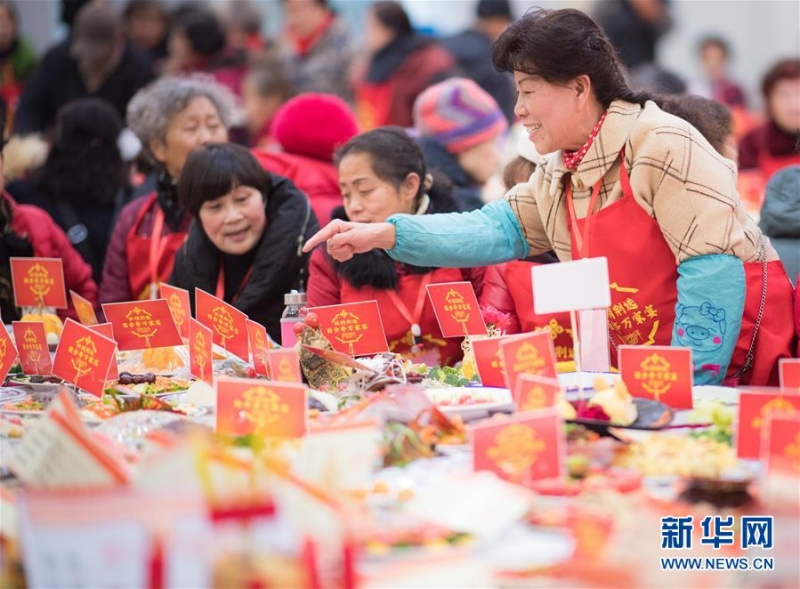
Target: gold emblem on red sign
{"type": "Point", "coordinates": [528, 360]}
{"type": "Point", "coordinates": [656, 375]}
{"type": "Point", "coordinates": [262, 407]}
{"type": "Point", "coordinates": [458, 307]}
{"type": "Point", "coordinates": [177, 310]}
{"type": "Point", "coordinates": [516, 449]}
{"type": "Point", "coordinates": [776, 405]}
{"type": "Point", "coordinates": [347, 328]}
{"type": "Point", "coordinates": [31, 345]}
{"type": "Point", "coordinates": [223, 323]}
{"type": "Point", "coordinates": [200, 354]}
{"type": "Point", "coordinates": [39, 281]}
{"type": "Point", "coordinates": [83, 356]}
{"type": "Point", "coordinates": [535, 399]}
{"type": "Point", "coordinates": [141, 324]}
{"type": "Point", "coordinates": [792, 453]}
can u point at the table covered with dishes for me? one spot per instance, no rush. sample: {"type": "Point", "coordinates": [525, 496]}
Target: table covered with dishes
{"type": "Point", "coordinates": [391, 474]}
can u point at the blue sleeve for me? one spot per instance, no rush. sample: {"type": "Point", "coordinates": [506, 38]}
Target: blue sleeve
{"type": "Point", "coordinates": [708, 316]}
{"type": "Point", "coordinates": [489, 235]}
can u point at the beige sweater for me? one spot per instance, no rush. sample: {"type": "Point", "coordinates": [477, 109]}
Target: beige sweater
{"type": "Point", "coordinates": [676, 176]}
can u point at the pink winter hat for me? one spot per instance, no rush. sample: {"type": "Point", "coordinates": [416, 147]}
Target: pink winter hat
{"type": "Point", "coordinates": [458, 114]}
{"type": "Point", "coordinates": [314, 125]}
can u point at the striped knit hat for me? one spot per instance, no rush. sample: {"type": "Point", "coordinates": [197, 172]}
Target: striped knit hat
{"type": "Point", "coordinates": [458, 114]}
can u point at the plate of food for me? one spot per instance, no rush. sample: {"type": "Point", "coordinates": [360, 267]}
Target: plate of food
{"type": "Point", "coordinates": [148, 383]}
{"type": "Point", "coordinates": [113, 405]}
{"type": "Point", "coordinates": [471, 402]}
{"type": "Point", "coordinates": [36, 403]}
{"type": "Point", "coordinates": [613, 406]}
{"type": "Point", "coordinates": [37, 383]}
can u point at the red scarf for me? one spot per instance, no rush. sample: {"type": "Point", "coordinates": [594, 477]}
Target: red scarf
{"type": "Point", "coordinates": [572, 159]}
{"type": "Point", "coordinates": [303, 45]}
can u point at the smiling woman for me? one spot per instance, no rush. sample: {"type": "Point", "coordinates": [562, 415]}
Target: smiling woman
{"type": "Point", "coordinates": [624, 180]}
{"type": "Point", "coordinates": [244, 242]}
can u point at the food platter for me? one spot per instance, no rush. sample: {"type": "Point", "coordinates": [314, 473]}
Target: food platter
{"type": "Point", "coordinates": [652, 415]}
{"type": "Point", "coordinates": [49, 384]}
{"type": "Point", "coordinates": [471, 402]}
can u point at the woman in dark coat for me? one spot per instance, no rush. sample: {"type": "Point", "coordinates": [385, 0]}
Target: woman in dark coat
{"type": "Point", "coordinates": [245, 242]}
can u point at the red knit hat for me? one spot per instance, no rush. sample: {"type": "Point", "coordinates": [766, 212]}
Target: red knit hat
{"type": "Point", "coordinates": [458, 114]}
{"type": "Point", "coordinates": [314, 125]}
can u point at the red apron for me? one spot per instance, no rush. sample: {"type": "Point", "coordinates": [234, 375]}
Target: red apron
{"type": "Point", "coordinates": [373, 104]}
{"type": "Point", "coordinates": [769, 164]}
{"type": "Point", "coordinates": [520, 286]}
{"type": "Point", "coordinates": [433, 348]}
{"type": "Point", "coordinates": [644, 276]}
{"type": "Point", "coordinates": [752, 184]}
{"type": "Point", "coordinates": [150, 257]}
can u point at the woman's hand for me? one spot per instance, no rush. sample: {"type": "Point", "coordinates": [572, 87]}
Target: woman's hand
{"type": "Point", "coordinates": [345, 239]}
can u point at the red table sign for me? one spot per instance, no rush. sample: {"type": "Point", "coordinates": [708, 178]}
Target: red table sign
{"type": "Point", "coordinates": [227, 323]}
{"type": "Point", "coordinates": [259, 346]}
{"type": "Point", "coordinates": [355, 328]}
{"type": "Point", "coordinates": [84, 309]}
{"type": "Point", "coordinates": [83, 357]}
{"type": "Point", "coordinates": [34, 355]}
{"type": "Point", "coordinates": [536, 392]}
{"type": "Point", "coordinates": [662, 373]}
{"type": "Point", "coordinates": [8, 353]}
{"type": "Point", "coordinates": [267, 409]}
{"type": "Point", "coordinates": [489, 360]}
{"type": "Point", "coordinates": [179, 305]}
{"type": "Point", "coordinates": [781, 450]}
{"type": "Point", "coordinates": [107, 330]}
{"type": "Point", "coordinates": [141, 325]}
{"type": "Point", "coordinates": [38, 282]}
{"type": "Point", "coordinates": [755, 410]}
{"type": "Point", "coordinates": [200, 353]}
{"type": "Point", "coordinates": [531, 353]}
{"type": "Point", "coordinates": [456, 308]}
{"type": "Point", "coordinates": [789, 373]}
{"type": "Point", "coordinates": [524, 449]}
{"type": "Point", "coordinates": [284, 365]}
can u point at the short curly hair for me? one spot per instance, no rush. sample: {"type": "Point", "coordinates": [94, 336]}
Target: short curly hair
{"type": "Point", "coordinates": [152, 108]}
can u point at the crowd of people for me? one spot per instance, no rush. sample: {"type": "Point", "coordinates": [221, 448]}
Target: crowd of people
{"type": "Point", "coordinates": [185, 146]}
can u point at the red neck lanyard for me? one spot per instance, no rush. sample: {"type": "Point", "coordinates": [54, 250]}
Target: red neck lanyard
{"type": "Point", "coordinates": [220, 292]}
{"type": "Point", "coordinates": [413, 320]}
{"type": "Point", "coordinates": [157, 247]}
{"type": "Point", "coordinates": [581, 238]}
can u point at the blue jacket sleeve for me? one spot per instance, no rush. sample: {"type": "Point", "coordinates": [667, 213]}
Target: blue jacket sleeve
{"type": "Point", "coordinates": [489, 235]}
{"type": "Point", "coordinates": [708, 316]}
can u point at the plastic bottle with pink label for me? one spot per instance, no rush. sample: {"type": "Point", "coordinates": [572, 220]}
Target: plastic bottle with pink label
{"type": "Point", "coordinates": [295, 311]}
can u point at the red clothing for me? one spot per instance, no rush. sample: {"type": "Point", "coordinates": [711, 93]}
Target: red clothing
{"type": "Point", "coordinates": [768, 140]}
{"type": "Point", "coordinates": [326, 288]}
{"type": "Point", "coordinates": [50, 241]}
{"type": "Point", "coordinates": [572, 159]}
{"type": "Point", "coordinates": [123, 281]}
{"type": "Point", "coordinates": [643, 309]}
{"type": "Point", "coordinates": [319, 180]}
{"type": "Point", "coordinates": [509, 288]}
{"type": "Point", "coordinates": [391, 102]}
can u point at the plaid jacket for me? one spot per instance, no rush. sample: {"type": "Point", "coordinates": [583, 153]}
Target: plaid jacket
{"type": "Point", "coordinates": [676, 177]}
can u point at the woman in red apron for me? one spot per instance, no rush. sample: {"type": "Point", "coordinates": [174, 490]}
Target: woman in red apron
{"type": "Point", "coordinates": [383, 172]}
{"type": "Point", "coordinates": [624, 180]}
{"type": "Point", "coordinates": [171, 117]}
{"type": "Point", "coordinates": [401, 66]}
{"type": "Point", "coordinates": [773, 145]}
